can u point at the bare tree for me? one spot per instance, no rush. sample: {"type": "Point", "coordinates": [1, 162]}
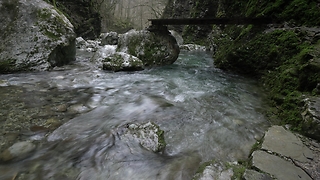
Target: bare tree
{"type": "Point", "coordinates": [136, 12]}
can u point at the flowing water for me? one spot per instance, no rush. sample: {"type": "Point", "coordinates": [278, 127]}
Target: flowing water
{"type": "Point", "coordinates": [206, 114]}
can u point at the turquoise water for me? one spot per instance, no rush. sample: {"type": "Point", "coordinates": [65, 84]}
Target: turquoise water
{"type": "Point", "coordinates": [206, 114]}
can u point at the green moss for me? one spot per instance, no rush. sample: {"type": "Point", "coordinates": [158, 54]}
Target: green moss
{"type": "Point", "coordinates": [304, 12]}
{"type": "Point", "coordinates": [287, 65]}
{"type": "Point", "coordinates": [203, 166]}
{"type": "Point", "coordinates": [7, 66]}
{"type": "Point", "coordinates": [161, 140]}
{"type": "Point", "coordinates": [238, 171]}
{"type": "Point", "coordinates": [262, 53]}
{"type": "Point", "coordinates": [58, 31]}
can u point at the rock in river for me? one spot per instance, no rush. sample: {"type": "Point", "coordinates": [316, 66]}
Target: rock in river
{"type": "Point", "coordinates": [154, 47]}
{"type": "Point", "coordinates": [17, 150]}
{"type": "Point", "coordinates": [34, 36]}
{"type": "Point", "coordinates": [122, 62]}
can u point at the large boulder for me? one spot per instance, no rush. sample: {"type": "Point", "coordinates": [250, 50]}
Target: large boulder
{"type": "Point", "coordinates": [154, 48]}
{"type": "Point", "coordinates": [34, 36]}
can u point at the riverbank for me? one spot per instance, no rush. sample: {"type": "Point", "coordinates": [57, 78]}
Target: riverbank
{"type": "Point", "coordinates": [279, 154]}
{"type": "Point", "coordinates": [284, 155]}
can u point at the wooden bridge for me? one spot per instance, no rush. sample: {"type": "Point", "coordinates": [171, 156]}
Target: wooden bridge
{"type": "Point", "coordinates": [206, 21]}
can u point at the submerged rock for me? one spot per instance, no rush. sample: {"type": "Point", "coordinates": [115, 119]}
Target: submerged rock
{"type": "Point", "coordinates": [17, 150]}
{"type": "Point", "coordinates": [34, 36]}
{"type": "Point", "coordinates": [149, 135]}
{"type": "Point", "coordinates": [154, 47]}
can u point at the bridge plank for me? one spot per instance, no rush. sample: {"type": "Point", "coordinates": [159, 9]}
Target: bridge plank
{"type": "Point", "coordinates": [206, 21]}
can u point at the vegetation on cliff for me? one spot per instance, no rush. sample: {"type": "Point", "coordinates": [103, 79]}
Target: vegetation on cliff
{"type": "Point", "coordinates": [83, 14]}
{"type": "Point", "coordinates": [285, 57]}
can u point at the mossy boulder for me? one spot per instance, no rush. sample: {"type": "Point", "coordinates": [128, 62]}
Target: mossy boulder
{"type": "Point", "coordinates": [148, 135]}
{"type": "Point", "coordinates": [107, 58]}
{"type": "Point", "coordinates": [154, 48]}
{"type": "Point", "coordinates": [120, 61]}
{"type": "Point", "coordinates": [35, 36]}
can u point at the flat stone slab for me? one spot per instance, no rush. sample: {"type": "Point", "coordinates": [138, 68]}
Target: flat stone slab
{"type": "Point", "coordinates": [283, 142]}
{"type": "Point", "coordinates": [277, 167]}
{"type": "Point", "coordinates": [254, 175]}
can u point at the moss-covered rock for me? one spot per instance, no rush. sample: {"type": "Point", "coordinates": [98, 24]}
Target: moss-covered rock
{"type": "Point", "coordinates": [34, 36]}
{"type": "Point", "coordinates": [120, 61]}
{"type": "Point", "coordinates": [149, 136]}
{"type": "Point", "coordinates": [153, 48]}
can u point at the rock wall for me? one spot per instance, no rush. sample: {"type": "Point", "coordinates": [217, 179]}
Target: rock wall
{"type": "Point", "coordinates": [34, 36]}
{"type": "Point", "coordinates": [83, 14]}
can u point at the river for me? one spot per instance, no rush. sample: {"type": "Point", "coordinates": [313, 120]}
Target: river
{"type": "Point", "coordinates": [206, 114]}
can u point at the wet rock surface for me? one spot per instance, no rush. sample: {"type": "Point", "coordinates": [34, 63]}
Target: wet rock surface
{"type": "Point", "coordinates": [254, 175]}
{"type": "Point", "coordinates": [277, 167]}
{"type": "Point", "coordinates": [285, 155]}
{"type": "Point", "coordinates": [285, 143]}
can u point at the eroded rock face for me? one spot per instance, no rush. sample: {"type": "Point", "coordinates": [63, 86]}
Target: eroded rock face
{"type": "Point", "coordinates": [153, 48]}
{"type": "Point", "coordinates": [311, 117]}
{"type": "Point", "coordinates": [34, 36]}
